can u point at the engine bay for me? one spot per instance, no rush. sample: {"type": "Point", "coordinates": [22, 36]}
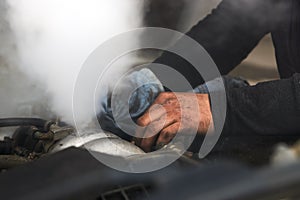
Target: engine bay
{"type": "Point", "coordinates": [56, 163]}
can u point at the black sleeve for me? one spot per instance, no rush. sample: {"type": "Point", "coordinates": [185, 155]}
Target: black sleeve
{"type": "Point", "coordinates": [270, 108]}
{"type": "Point", "coordinates": [228, 34]}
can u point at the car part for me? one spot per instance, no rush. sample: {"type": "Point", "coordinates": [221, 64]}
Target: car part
{"type": "Point", "coordinates": [99, 142]}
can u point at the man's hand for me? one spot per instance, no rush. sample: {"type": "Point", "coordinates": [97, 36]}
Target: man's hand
{"type": "Point", "coordinates": [172, 113]}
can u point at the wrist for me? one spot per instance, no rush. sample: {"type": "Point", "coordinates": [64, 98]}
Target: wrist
{"type": "Point", "coordinates": [206, 119]}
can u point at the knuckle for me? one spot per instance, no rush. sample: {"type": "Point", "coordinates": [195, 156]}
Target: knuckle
{"type": "Point", "coordinates": [155, 108]}
{"type": "Point", "coordinates": [174, 116]}
{"type": "Point", "coordinates": [164, 95]}
{"type": "Point", "coordinates": [141, 121]}
{"type": "Point", "coordinates": [161, 96]}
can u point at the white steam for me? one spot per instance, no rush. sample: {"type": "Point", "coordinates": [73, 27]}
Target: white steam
{"type": "Point", "coordinates": [54, 38]}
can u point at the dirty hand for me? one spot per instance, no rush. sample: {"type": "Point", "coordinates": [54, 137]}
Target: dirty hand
{"type": "Point", "coordinates": [170, 114]}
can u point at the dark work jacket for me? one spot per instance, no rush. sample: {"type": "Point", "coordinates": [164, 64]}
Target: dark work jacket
{"type": "Point", "coordinates": [229, 34]}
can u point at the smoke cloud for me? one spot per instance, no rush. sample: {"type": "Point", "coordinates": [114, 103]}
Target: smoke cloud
{"type": "Point", "coordinates": [53, 38]}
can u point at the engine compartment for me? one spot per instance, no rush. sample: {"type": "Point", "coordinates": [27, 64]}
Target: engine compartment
{"type": "Point", "coordinates": [48, 160]}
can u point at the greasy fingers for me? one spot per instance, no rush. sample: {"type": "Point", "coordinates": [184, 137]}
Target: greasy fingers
{"type": "Point", "coordinates": [170, 112]}
{"type": "Point", "coordinates": [155, 112]}
{"type": "Point", "coordinates": [147, 143]}
{"type": "Point", "coordinates": [150, 133]}
{"type": "Point", "coordinates": [167, 134]}
{"type": "Point", "coordinates": [163, 104]}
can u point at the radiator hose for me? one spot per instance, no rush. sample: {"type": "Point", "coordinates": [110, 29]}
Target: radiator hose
{"type": "Point", "coordinates": [39, 123]}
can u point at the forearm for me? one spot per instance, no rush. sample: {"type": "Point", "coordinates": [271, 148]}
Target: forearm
{"type": "Point", "coordinates": [228, 35]}
{"type": "Point", "coordinates": [270, 108]}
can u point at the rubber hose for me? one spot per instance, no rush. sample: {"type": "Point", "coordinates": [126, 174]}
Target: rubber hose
{"type": "Point", "coordinates": [7, 122]}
